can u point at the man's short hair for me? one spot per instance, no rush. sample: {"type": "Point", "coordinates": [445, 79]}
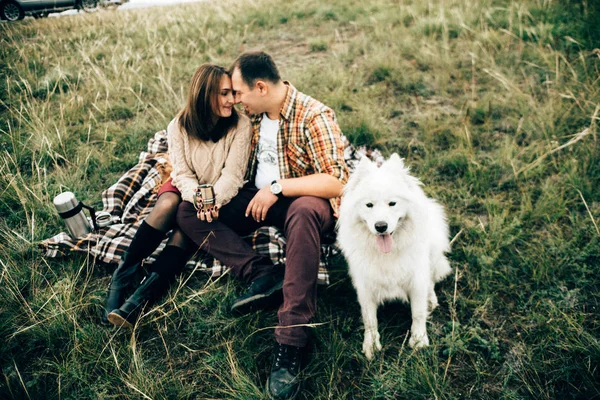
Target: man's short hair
{"type": "Point", "coordinates": [256, 65]}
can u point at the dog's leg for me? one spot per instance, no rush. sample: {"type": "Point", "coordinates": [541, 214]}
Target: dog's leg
{"type": "Point", "coordinates": [368, 307]}
{"type": "Point", "coordinates": [418, 306]}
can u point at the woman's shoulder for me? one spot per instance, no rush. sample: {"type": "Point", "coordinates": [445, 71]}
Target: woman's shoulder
{"type": "Point", "coordinates": [173, 124]}
{"type": "Point", "coordinates": [243, 120]}
{"type": "Point", "coordinates": [173, 128]}
{"type": "Point", "coordinates": [243, 123]}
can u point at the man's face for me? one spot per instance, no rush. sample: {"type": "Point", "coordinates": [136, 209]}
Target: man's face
{"type": "Point", "coordinates": [250, 98]}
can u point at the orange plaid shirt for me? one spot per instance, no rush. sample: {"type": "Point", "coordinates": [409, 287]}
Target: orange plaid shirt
{"type": "Point", "coordinates": [309, 141]}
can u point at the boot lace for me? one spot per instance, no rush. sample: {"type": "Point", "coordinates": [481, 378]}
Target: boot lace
{"type": "Point", "coordinates": [288, 357]}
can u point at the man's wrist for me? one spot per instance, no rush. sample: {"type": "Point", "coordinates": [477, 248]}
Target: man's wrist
{"type": "Point", "coordinates": [276, 189]}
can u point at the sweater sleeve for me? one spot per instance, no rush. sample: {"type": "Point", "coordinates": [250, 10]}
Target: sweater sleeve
{"type": "Point", "coordinates": [183, 176]}
{"type": "Point", "coordinates": [232, 176]}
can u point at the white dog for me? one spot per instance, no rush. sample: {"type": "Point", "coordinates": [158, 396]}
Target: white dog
{"type": "Point", "coordinates": [394, 239]}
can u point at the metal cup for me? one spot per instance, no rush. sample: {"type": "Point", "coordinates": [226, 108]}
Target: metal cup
{"type": "Point", "coordinates": [207, 194]}
{"type": "Point", "coordinates": [103, 219]}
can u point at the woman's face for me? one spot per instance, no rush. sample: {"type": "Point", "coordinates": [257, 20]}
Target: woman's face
{"type": "Point", "coordinates": [225, 97]}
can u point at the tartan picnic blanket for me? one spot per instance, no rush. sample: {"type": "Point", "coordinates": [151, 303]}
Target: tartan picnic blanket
{"type": "Point", "coordinates": [132, 197]}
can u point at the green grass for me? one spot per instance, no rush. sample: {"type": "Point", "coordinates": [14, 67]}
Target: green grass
{"type": "Point", "coordinates": [495, 106]}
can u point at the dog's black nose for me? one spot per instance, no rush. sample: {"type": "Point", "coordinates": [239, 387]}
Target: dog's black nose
{"type": "Point", "coordinates": [380, 226]}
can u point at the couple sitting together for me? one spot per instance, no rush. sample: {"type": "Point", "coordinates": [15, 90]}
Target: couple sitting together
{"type": "Point", "coordinates": [284, 166]}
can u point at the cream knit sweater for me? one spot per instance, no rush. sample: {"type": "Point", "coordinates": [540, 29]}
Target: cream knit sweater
{"type": "Point", "coordinates": [222, 164]}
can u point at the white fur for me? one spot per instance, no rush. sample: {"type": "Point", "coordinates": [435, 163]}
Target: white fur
{"type": "Point", "coordinates": [416, 261]}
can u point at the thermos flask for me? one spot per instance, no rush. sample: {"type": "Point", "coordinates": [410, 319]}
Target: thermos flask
{"type": "Point", "coordinates": [71, 211]}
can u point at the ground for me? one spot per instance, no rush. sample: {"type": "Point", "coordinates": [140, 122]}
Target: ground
{"type": "Point", "coordinates": [493, 104]}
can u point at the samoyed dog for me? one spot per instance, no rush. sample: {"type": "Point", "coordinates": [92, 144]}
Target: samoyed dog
{"type": "Point", "coordinates": [394, 239]}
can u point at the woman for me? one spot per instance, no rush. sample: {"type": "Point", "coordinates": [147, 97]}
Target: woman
{"type": "Point", "coordinates": [209, 143]}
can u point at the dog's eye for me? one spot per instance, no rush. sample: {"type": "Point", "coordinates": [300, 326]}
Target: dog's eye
{"type": "Point", "coordinates": [369, 205]}
{"type": "Point", "coordinates": [392, 203]}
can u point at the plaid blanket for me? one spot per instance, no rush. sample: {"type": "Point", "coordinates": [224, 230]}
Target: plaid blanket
{"type": "Point", "coordinates": [132, 197]}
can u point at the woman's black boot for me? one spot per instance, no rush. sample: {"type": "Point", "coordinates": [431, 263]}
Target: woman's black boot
{"type": "Point", "coordinates": [149, 289]}
{"type": "Point", "coordinates": [145, 241]}
{"type": "Point", "coordinates": [119, 284]}
{"type": "Point", "coordinates": [163, 272]}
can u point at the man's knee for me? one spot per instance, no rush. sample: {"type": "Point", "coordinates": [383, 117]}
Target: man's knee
{"type": "Point", "coordinates": [308, 208]}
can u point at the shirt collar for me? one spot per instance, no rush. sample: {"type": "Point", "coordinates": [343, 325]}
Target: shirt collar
{"type": "Point", "coordinates": [288, 104]}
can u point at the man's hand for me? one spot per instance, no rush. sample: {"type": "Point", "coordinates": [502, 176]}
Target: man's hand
{"type": "Point", "coordinates": [260, 204]}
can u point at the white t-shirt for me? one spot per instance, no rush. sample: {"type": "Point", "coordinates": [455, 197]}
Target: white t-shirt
{"type": "Point", "coordinates": [267, 169]}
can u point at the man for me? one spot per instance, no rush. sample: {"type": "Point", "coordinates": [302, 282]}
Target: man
{"type": "Point", "coordinates": [295, 176]}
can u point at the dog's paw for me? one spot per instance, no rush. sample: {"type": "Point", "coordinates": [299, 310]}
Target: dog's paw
{"type": "Point", "coordinates": [371, 344]}
{"type": "Point", "coordinates": [418, 341]}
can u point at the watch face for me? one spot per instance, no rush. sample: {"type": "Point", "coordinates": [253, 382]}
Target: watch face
{"type": "Point", "coordinates": [276, 188]}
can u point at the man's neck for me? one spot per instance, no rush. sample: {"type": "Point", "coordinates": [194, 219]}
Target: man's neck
{"type": "Point", "coordinates": [278, 98]}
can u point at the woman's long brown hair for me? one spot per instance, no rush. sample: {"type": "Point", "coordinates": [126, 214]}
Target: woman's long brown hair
{"type": "Point", "coordinates": [199, 117]}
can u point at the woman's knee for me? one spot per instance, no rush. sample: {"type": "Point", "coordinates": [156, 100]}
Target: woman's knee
{"type": "Point", "coordinates": [167, 203]}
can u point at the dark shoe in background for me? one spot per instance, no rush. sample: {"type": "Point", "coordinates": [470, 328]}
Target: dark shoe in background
{"type": "Point", "coordinates": [284, 379]}
{"type": "Point", "coordinates": [262, 292]}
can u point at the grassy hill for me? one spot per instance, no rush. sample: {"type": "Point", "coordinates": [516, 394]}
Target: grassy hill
{"type": "Point", "coordinates": [495, 106]}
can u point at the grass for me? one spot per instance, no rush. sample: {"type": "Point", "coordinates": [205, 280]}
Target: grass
{"type": "Point", "coordinates": [495, 106]}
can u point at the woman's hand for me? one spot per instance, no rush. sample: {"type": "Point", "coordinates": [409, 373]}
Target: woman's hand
{"type": "Point", "coordinates": [209, 215]}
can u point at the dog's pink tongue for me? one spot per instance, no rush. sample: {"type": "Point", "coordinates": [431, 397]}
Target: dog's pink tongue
{"type": "Point", "coordinates": [384, 242]}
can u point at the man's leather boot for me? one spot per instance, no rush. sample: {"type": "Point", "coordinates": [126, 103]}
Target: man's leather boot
{"type": "Point", "coordinates": [261, 293]}
{"type": "Point", "coordinates": [284, 379]}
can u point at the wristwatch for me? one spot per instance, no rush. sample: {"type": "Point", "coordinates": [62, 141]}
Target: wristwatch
{"type": "Point", "coordinates": [276, 189]}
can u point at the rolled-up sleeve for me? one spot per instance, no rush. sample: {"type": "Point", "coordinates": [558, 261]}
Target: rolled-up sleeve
{"type": "Point", "coordinates": [325, 146]}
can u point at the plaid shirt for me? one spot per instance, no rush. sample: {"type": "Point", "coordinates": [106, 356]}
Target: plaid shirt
{"type": "Point", "coordinates": [309, 141]}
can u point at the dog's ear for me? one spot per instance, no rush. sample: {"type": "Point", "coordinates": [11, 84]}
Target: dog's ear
{"type": "Point", "coordinates": [364, 165]}
{"type": "Point", "coordinates": [396, 165]}
{"type": "Point", "coordinates": [395, 158]}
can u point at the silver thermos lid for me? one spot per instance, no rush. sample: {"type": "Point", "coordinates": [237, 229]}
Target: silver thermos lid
{"type": "Point", "coordinates": [65, 201]}
{"type": "Point", "coordinates": [70, 210]}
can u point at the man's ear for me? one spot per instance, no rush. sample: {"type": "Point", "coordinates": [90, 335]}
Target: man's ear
{"type": "Point", "coordinates": [262, 87]}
